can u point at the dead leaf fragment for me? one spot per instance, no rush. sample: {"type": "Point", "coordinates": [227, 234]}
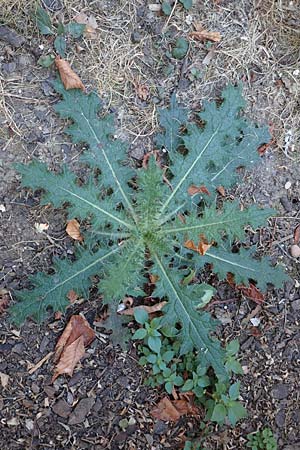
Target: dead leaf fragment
{"type": "Point", "coordinates": [72, 296]}
{"type": "Point", "coordinates": [4, 300]}
{"type": "Point", "coordinates": [221, 191]}
{"type": "Point", "coordinates": [252, 292]}
{"type": "Point", "coordinates": [71, 345]}
{"type": "Point", "coordinates": [295, 251]}
{"type": "Point", "coordinates": [150, 309]}
{"type": "Point", "coordinates": [204, 35]}
{"type": "Point", "coordinates": [141, 90]}
{"type": "Point", "coordinates": [69, 358]}
{"type": "Point", "coordinates": [73, 230]}
{"type": "Point", "coordinates": [68, 77]}
{"type": "Point", "coordinates": [91, 25]}
{"type": "Point", "coordinates": [201, 247]}
{"type": "Point", "coordinates": [193, 189]}
{"type": "Point", "coordinates": [297, 234]}
{"type": "Point", "coordinates": [168, 410]}
{"type": "Point", "coordinates": [41, 227]}
{"type": "Point", "coordinates": [4, 379]}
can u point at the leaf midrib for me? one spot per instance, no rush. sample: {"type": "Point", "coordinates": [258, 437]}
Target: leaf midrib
{"type": "Point", "coordinates": [182, 180]}
{"type": "Point", "coordinates": [127, 201]}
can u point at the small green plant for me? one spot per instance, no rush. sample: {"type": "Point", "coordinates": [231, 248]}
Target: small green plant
{"type": "Point", "coordinates": [60, 31]}
{"type": "Point", "coordinates": [167, 6]}
{"type": "Point", "coordinates": [262, 440]}
{"type": "Point", "coordinates": [138, 224]}
{"type": "Point", "coordinates": [180, 48]}
{"type": "Point", "coordinates": [189, 372]}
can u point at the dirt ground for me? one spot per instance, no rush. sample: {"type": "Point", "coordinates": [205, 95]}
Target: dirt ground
{"type": "Point", "coordinates": [260, 48]}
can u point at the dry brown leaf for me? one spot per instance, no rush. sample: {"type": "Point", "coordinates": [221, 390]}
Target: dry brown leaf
{"type": "Point", "coordinates": [204, 35]}
{"type": "Point", "coordinates": [142, 91]}
{"type": "Point", "coordinates": [4, 379]}
{"type": "Point", "coordinates": [168, 410]}
{"type": "Point", "coordinates": [193, 189]}
{"type": "Point", "coordinates": [150, 309]}
{"type": "Point", "coordinates": [72, 296]}
{"type": "Point", "coordinates": [91, 25]}
{"type": "Point", "coordinates": [68, 77]}
{"type": "Point", "coordinates": [201, 247]}
{"type": "Point", "coordinates": [71, 355]}
{"type": "Point", "coordinates": [4, 300]}
{"type": "Point", "coordinates": [221, 191]}
{"type": "Point", "coordinates": [73, 230]}
{"type": "Point", "coordinates": [252, 292]}
{"type": "Point", "coordinates": [297, 234]}
{"type": "Point", "coordinates": [153, 278]}
{"type": "Point", "coordinates": [77, 326]}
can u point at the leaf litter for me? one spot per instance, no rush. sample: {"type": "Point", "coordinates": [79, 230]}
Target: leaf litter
{"type": "Point", "coordinates": [70, 347]}
{"type": "Point", "coordinates": [68, 77]}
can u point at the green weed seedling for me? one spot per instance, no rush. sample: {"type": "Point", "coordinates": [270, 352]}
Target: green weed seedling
{"type": "Point", "coordinates": [138, 224]}
{"type": "Point", "coordinates": [262, 440]}
{"type": "Point", "coordinates": [189, 372]}
{"type": "Point", "coordinates": [61, 33]}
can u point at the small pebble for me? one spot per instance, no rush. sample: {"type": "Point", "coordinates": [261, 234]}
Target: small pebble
{"type": "Point", "coordinates": [287, 185]}
{"type": "Point", "coordinates": [295, 251]}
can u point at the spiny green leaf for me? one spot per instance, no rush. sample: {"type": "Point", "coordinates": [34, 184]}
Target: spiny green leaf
{"type": "Point", "coordinates": [63, 188]}
{"type": "Point", "coordinates": [104, 152]}
{"type": "Point", "coordinates": [181, 308]}
{"type": "Point", "coordinates": [51, 291]}
{"type": "Point", "coordinates": [213, 223]}
{"type": "Point", "coordinates": [215, 152]}
{"type": "Point", "coordinates": [244, 267]}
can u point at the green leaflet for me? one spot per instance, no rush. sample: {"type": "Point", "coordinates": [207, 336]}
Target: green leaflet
{"type": "Point", "coordinates": [132, 216]}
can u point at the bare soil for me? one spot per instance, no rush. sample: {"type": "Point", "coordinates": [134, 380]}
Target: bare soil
{"type": "Point", "coordinates": [260, 48]}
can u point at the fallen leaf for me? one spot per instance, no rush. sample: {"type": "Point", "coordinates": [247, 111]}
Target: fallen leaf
{"type": "Point", "coordinates": [77, 326]}
{"type": "Point", "coordinates": [201, 247]}
{"type": "Point", "coordinates": [41, 227]}
{"type": "Point", "coordinates": [68, 77]}
{"type": "Point", "coordinates": [168, 410]}
{"type": "Point", "coordinates": [221, 190]}
{"type": "Point", "coordinates": [71, 345]}
{"type": "Point", "coordinates": [297, 234]}
{"type": "Point", "coordinates": [91, 25]}
{"type": "Point", "coordinates": [4, 300]}
{"type": "Point", "coordinates": [71, 355]}
{"type": "Point", "coordinates": [72, 296]}
{"type": "Point", "coordinates": [4, 378]}
{"type": "Point", "coordinates": [209, 56]}
{"type": "Point", "coordinates": [193, 189]}
{"type": "Point", "coordinates": [203, 35]}
{"type": "Point", "coordinates": [141, 90]}
{"type": "Point", "coordinates": [149, 309]}
{"type": "Point", "coordinates": [153, 278]}
{"type": "Point", "coordinates": [73, 230]}
{"type": "Point", "coordinates": [252, 292]}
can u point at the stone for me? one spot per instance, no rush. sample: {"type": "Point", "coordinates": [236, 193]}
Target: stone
{"type": "Point", "coordinates": [11, 37]}
{"type": "Point", "coordinates": [280, 391]}
{"type": "Point", "coordinates": [81, 411]}
{"type": "Point", "coordinates": [61, 408]}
